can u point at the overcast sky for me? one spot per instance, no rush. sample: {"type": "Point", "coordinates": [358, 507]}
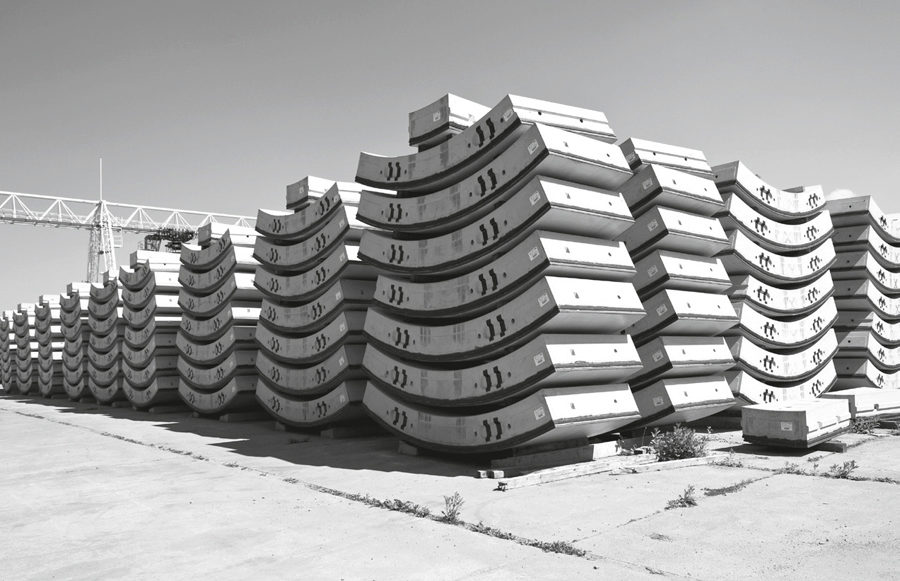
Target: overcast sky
{"type": "Point", "coordinates": [217, 105]}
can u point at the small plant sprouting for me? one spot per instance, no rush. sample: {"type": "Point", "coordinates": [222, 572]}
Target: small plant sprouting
{"type": "Point", "coordinates": [682, 442]}
{"type": "Point", "coordinates": [452, 506]}
{"type": "Point", "coordinates": [686, 499]}
{"type": "Point", "coordinates": [842, 470]}
{"type": "Point", "coordinates": [730, 461]}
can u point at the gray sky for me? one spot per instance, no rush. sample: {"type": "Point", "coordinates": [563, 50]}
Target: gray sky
{"type": "Point", "coordinates": [217, 105]}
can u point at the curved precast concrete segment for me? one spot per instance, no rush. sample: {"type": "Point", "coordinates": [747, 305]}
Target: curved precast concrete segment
{"type": "Point", "coordinates": [157, 261]}
{"type": "Point", "coordinates": [157, 366]}
{"type": "Point", "coordinates": [159, 305]}
{"type": "Point", "coordinates": [779, 368]}
{"type": "Point", "coordinates": [548, 415]}
{"type": "Point", "coordinates": [292, 256]}
{"type": "Point", "coordinates": [473, 148]}
{"type": "Point", "coordinates": [773, 235]}
{"type": "Point", "coordinates": [665, 229]}
{"type": "Point", "coordinates": [241, 362]}
{"type": "Point", "coordinates": [747, 257]}
{"type": "Point", "coordinates": [103, 309]}
{"type": "Point", "coordinates": [863, 210]}
{"type": "Point", "coordinates": [641, 153]}
{"type": "Point", "coordinates": [102, 361]}
{"type": "Point", "coordinates": [797, 424]}
{"type": "Point", "coordinates": [682, 400]}
{"type": "Point", "coordinates": [866, 237]}
{"type": "Point", "coordinates": [783, 205]}
{"type": "Point", "coordinates": [142, 278]}
{"type": "Point", "coordinates": [863, 264]}
{"type": "Point", "coordinates": [860, 371]}
{"type": "Point", "coordinates": [107, 390]}
{"type": "Point", "coordinates": [137, 357]}
{"type": "Point", "coordinates": [306, 350]}
{"type": "Point", "coordinates": [666, 357]}
{"type": "Point", "coordinates": [545, 361]}
{"type": "Point", "coordinates": [540, 151]}
{"type": "Point", "coordinates": [292, 226]}
{"type": "Point", "coordinates": [864, 344]}
{"type": "Point", "coordinates": [104, 293]}
{"type": "Point", "coordinates": [238, 393]}
{"type": "Point", "coordinates": [540, 254]}
{"type": "Point", "coordinates": [110, 326]}
{"type": "Point", "coordinates": [161, 390]}
{"type": "Point", "coordinates": [780, 302]}
{"type": "Point", "coordinates": [542, 204]}
{"type": "Point", "coordinates": [551, 305]}
{"type": "Point", "coordinates": [138, 337]}
{"type": "Point", "coordinates": [655, 185]}
{"type": "Point", "coordinates": [792, 333]}
{"type": "Point", "coordinates": [315, 380]}
{"type": "Point", "coordinates": [869, 402]}
{"type": "Point", "coordinates": [238, 290]}
{"type": "Point", "coordinates": [204, 353]}
{"type": "Point", "coordinates": [208, 281]}
{"type": "Point", "coordinates": [75, 383]}
{"type": "Point", "coordinates": [343, 294]}
{"type": "Point", "coordinates": [216, 326]}
{"type": "Point", "coordinates": [240, 235]}
{"type": "Point", "coordinates": [341, 405]}
{"type": "Point", "coordinates": [138, 300]}
{"type": "Point", "coordinates": [677, 312]}
{"type": "Point", "coordinates": [887, 333]}
{"type": "Point", "coordinates": [310, 189]}
{"type": "Point", "coordinates": [197, 259]}
{"type": "Point", "coordinates": [863, 295]}
{"type": "Point", "coordinates": [442, 119]}
{"type": "Point", "coordinates": [343, 262]}
{"type": "Point", "coordinates": [750, 390]}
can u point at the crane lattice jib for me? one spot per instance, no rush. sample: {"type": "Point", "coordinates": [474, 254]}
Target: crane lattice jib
{"type": "Point", "coordinates": [58, 211]}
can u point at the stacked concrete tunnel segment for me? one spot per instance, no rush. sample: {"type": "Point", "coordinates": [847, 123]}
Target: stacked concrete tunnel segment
{"type": "Point", "coordinates": [524, 277]}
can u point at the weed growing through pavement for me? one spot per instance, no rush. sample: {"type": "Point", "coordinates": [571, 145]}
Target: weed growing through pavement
{"type": "Point", "coordinates": [730, 461]}
{"type": "Point", "coordinates": [842, 470]}
{"type": "Point", "coordinates": [864, 425]}
{"type": "Point", "coordinates": [728, 489]}
{"type": "Point", "coordinates": [680, 443]}
{"type": "Point", "coordinates": [452, 506]}
{"type": "Point", "coordinates": [686, 499]}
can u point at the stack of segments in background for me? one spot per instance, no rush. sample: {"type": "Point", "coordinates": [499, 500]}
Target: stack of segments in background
{"type": "Point", "coordinates": [26, 348]}
{"type": "Point", "coordinates": [73, 316]}
{"type": "Point", "coordinates": [316, 293]}
{"type": "Point", "coordinates": [107, 324]}
{"type": "Point", "coordinates": [216, 351]}
{"type": "Point", "coordinates": [499, 323]}
{"type": "Point", "coordinates": [673, 244]}
{"type": "Point", "coordinates": [150, 308]}
{"type": "Point", "coordinates": [7, 353]}
{"type": "Point", "coordinates": [779, 260]}
{"type": "Point", "coordinates": [867, 289]}
{"type": "Point", "coordinates": [48, 332]}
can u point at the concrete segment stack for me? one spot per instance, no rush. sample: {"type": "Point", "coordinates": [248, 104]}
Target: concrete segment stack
{"type": "Point", "coordinates": [26, 348]}
{"type": "Point", "coordinates": [498, 325]}
{"type": "Point", "coordinates": [7, 352]}
{"type": "Point", "coordinates": [867, 289]}
{"type": "Point", "coordinates": [216, 352]}
{"type": "Point", "coordinates": [107, 324]}
{"type": "Point", "coordinates": [48, 332]}
{"type": "Point", "coordinates": [73, 315]}
{"type": "Point", "coordinates": [673, 243]}
{"type": "Point", "coordinates": [316, 293]}
{"type": "Point", "coordinates": [150, 307]}
{"type": "Point", "coordinates": [779, 259]}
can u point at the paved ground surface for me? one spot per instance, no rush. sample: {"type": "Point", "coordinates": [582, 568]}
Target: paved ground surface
{"type": "Point", "coordinates": [100, 493]}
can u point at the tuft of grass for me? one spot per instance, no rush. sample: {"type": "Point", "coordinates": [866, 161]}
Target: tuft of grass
{"type": "Point", "coordinates": [728, 489]}
{"type": "Point", "coordinates": [452, 506]}
{"type": "Point", "coordinates": [864, 425]}
{"type": "Point", "coordinates": [730, 461]}
{"type": "Point", "coordinates": [561, 547]}
{"type": "Point", "coordinates": [842, 470]}
{"type": "Point", "coordinates": [686, 499]}
{"type": "Point", "coordinates": [679, 443]}
{"type": "Point", "coordinates": [792, 468]}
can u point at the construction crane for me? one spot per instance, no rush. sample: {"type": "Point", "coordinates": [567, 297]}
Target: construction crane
{"type": "Point", "coordinates": [107, 221]}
